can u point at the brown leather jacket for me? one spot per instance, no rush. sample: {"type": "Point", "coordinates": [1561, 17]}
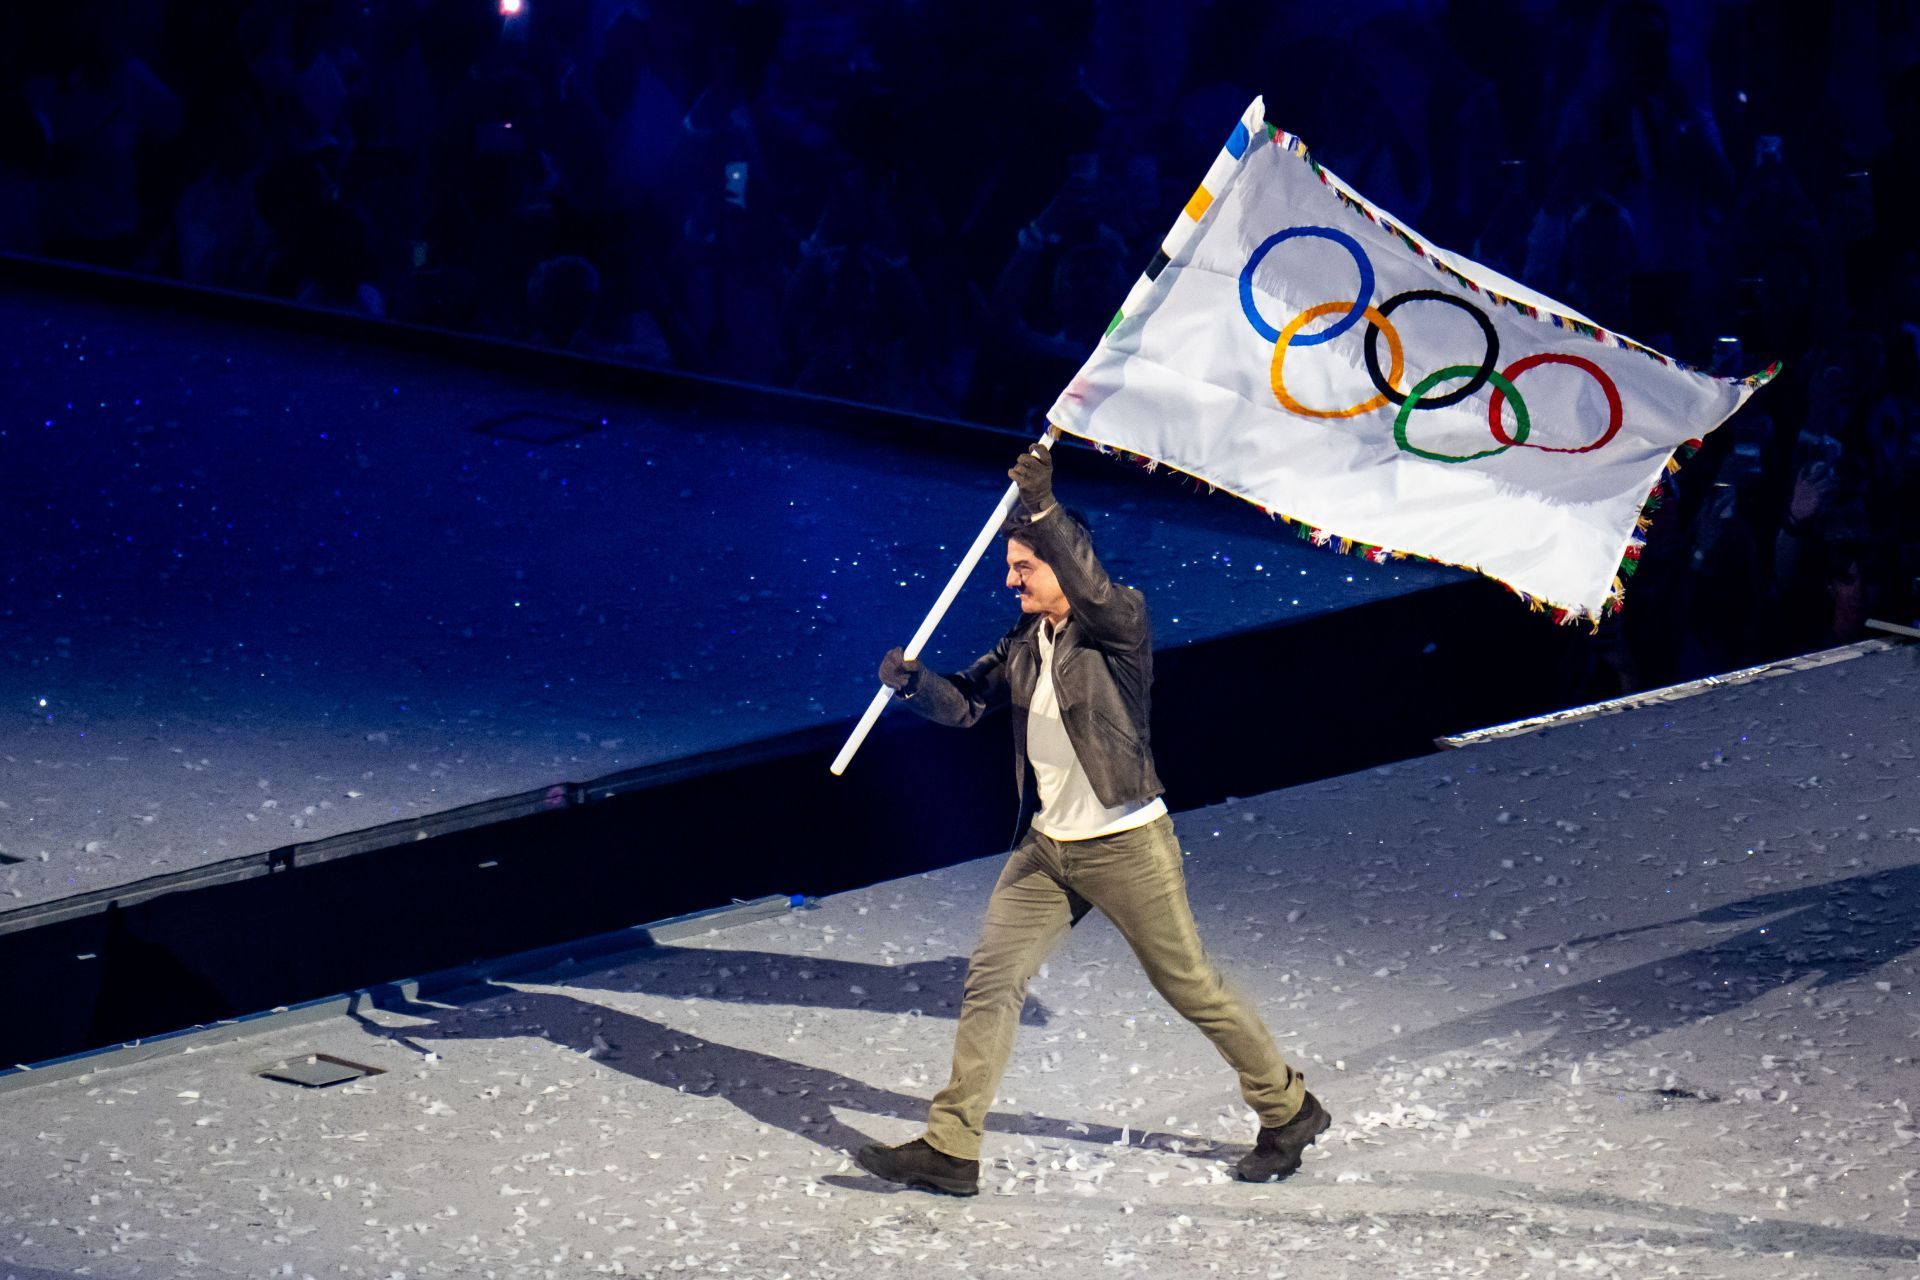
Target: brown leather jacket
{"type": "Point", "coordinates": [1102, 673]}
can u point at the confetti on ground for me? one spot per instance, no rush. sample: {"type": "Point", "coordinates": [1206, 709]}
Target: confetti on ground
{"type": "Point", "coordinates": [1693, 1054]}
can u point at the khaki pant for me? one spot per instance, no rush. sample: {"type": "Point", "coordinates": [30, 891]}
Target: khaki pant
{"type": "Point", "coordinates": [1136, 881]}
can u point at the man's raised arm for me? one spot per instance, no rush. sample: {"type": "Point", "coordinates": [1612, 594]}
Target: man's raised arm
{"type": "Point", "coordinates": [1113, 616]}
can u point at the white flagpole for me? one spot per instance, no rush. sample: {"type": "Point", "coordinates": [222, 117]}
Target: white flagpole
{"type": "Point", "coordinates": [939, 611]}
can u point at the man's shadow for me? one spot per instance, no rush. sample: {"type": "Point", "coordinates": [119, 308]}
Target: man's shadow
{"type": "Point", "coordinates": [775, 1091]}
{"type": "Point", "coordinates": [1831, 933]}
{"type": "Point", "coordinates": [931, 988]}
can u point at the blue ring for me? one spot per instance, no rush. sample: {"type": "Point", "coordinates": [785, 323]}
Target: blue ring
{"type": "Point", "coordinates": [1362, 297]}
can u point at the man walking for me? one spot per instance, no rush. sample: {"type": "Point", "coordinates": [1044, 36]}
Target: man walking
{"type": "Point", "coordinates": [1078, 670]}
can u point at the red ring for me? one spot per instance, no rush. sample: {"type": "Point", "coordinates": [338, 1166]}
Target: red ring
{"type": "Point", "coordinates": [1518, 367]}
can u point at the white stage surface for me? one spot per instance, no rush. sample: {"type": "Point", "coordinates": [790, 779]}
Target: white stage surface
{"type": "Point", "coordinates": [1631, 997]}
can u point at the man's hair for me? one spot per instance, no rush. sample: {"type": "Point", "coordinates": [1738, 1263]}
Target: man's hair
{"type": "Point", "coordinates": [1015, 526]}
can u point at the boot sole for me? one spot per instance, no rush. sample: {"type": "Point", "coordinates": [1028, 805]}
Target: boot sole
{"type": "Point", "coordinates": [1325, 1123]}
{"type": "Point", "coordinates": [922, 1182]}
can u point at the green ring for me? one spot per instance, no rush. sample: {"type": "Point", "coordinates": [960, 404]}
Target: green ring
{"type": "Point", "coordinates": [1522, 424]}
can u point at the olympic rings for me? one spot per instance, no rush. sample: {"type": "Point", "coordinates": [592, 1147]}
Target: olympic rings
{"type": "Point", "coordinates": [1472, 377]}
{"type": "Point", "coordinates": [1480, 376]}
{"type": "Point", "coordinates": [1519, 367]}
{"type": "Point", "coordinates": [1522, 423]}
{"type": "Point", "coordinates": [1338, 327]}
{"type": "Point", "coordinates": [1378, 323]}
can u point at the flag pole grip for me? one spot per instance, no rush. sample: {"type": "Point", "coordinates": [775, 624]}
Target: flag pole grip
{"type": "Point", "coordinates": [940, 606]}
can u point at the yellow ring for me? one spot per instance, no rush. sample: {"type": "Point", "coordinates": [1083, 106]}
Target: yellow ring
{"type": "Point", "coordinates": [1396, 361]}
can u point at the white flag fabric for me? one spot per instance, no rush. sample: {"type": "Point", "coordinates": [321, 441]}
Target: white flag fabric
{"type": "Point", "coordinates": [1296, 346]}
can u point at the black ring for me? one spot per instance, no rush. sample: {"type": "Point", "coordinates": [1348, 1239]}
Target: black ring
{"type": "Point", "coordinates": [1455, 396]}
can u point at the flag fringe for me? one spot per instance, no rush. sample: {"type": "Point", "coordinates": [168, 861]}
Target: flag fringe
{"type": "Point", "coordinates": [1188, 223]}
{"type": "Point", "coordinates": [1563, 615]}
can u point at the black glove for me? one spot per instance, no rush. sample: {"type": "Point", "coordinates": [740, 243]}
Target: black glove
{"type": "Point", "coordinates": [1034, 474]}
{"type": "Point", "coordinates": [897, 673]}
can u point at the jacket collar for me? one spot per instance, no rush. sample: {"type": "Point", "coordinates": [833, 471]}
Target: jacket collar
{"type": "Point", "coordinates": [1065, 637]}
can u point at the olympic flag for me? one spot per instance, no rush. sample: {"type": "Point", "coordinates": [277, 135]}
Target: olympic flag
{"type": "Point", "coordinates": [1296, 346]}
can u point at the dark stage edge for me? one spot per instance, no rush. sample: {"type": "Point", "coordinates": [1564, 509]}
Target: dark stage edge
{"type": "Point", "coordinates": [603, 946]}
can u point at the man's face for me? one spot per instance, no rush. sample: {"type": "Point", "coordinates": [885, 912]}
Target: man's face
{"type": "Point", "coordinates": [1031, 578]}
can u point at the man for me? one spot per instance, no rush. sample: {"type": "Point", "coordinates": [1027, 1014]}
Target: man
{"type": "Point", "coordinates": [1078, 668]}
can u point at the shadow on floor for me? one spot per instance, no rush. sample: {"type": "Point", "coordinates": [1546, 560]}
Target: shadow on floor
{"type": "Point", "coordinates": [930, 988]}
{"type": "Point", "coordinates": [775, 1091]}
{"type": "Point", "coordinates": [1829, 934]}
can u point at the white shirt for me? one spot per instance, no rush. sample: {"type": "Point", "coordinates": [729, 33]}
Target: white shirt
{"type": "Point", "coordinates": [1069, 809]}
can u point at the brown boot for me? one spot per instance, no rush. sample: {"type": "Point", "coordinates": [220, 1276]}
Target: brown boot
{"type": "Point", "coordinates": [915, 1164]}
{"type": "Point", "coordinates": [1277, 1152]}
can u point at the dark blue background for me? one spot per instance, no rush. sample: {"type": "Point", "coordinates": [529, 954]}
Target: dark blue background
{"type": "Point", "coordinates": [832, 198]}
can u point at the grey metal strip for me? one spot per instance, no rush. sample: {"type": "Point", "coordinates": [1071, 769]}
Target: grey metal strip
{"type": "Point", "coordinates": [1668, 693]}
{"type": "Point", "coordinates": [250, 866]}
